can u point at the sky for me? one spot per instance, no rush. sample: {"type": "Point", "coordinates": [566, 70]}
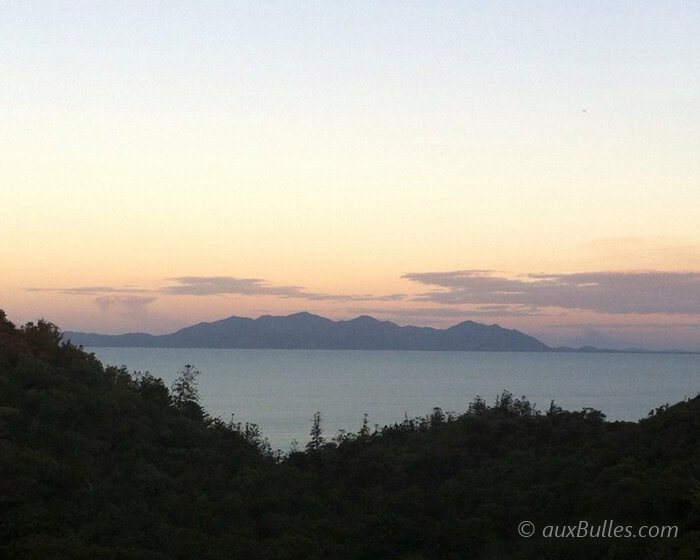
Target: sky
{"type": "Point", "coordinates": [530, 164]}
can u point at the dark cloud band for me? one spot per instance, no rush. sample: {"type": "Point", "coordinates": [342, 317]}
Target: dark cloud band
{"type": "Point", "coordinates": [486, 292]}
{"type": "Point", "coordinates": [231, 285]}
{"type": "Point", "coordinates": [603, 292]}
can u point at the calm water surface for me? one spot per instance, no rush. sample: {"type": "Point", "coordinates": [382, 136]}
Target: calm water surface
{"type": "Point", "coordinates": [281, 389]}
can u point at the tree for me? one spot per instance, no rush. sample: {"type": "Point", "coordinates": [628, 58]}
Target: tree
{"type": "Point", "coordinates": [185, 393]}
{"type": "Point", "coordinates": [152, 388]}
{"type": "Point", "coordinates": [504, 401]}
{"type": "Point", "coordinates": [317, 440]}
{"type": "Point", "coordinates": [364, 430]}
{"type": "Point", "coordinates": [477, 407]}
{"type": "Point", "coordinates": [437, 417]}
{"type": "Point", "coordinates": [252, 434]}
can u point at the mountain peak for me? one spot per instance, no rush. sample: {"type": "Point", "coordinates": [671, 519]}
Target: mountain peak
{"type": "Point", "coordinates": [364, 319]}
{"type": "Point", "coordinates": [305, 330]}
{"type": "Point", "coordinates": [304, 315]}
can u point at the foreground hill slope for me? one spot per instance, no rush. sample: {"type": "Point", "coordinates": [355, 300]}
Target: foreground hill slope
{"type": "Point", "coordinates": [98, 463]}
{"type": "Point", "coordinates": [307, 331]}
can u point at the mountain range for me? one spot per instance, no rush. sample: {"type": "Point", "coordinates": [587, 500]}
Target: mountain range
{"type": "Point", "coordinates": [308, 331]}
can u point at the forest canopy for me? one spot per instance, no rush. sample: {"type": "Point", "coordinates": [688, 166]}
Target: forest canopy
{"type": "Point", "coordinates": [99, 462]}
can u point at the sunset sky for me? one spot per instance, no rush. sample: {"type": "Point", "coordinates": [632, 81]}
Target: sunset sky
{"type": "Point", "coordinates": [531, 164]}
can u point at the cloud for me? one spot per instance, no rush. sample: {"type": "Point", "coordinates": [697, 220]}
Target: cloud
{"type": "Point", "coordinates": [212, 286]}
{"type": "Point", "coordinates": [603, 292]}
{"type": "Point", "coordinates": [222, 285]}
{"type": "Point", "coordinates": [666, 326]}
{"type": "Point", "coordinates": [131, 305]}
{"type": "Point", "coordinates": [94, 290]}
{"type": "Point", "coordinates": [231, 285]}
{"type": "Point", "coordinates": [486, 292]}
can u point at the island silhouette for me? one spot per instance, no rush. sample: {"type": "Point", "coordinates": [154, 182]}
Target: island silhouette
{"type": "Point", "coordinates": [308, 331]}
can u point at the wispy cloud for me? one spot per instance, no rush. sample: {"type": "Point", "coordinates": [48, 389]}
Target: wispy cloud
{"type": "Point", "coordinates": [603, 292]}
{"type": "Point", "coordinates": [231, 285]}
{"type": "Point", "coordinates": [485, 292]}
{"type": "Point", "coordinates": [94, 290]}
{"type": "Point", "coordinates": [106, 296]}
{"type": "Point", "coordinates": [223, 285]}
{"type": "Point", "coordinates": [130, 305]}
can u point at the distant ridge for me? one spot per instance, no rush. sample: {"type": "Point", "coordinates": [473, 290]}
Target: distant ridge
{"type": "Point", "coordinates": [308, 331]}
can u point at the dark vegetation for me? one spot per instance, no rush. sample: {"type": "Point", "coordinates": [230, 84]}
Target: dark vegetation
{"type": "Point", "coordinates": [97, 463]}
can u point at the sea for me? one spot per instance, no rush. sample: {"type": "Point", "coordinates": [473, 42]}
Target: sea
{"type": "Point", "coordinates": [281, 390]}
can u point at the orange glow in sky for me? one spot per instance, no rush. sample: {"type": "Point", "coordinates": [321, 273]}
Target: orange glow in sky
{"type": "Point", "coordinates": [167, 165]}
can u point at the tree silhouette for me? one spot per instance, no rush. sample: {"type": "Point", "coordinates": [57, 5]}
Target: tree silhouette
{"type": "Point", "coordinates": [185, 394]}
{"type": "Point", "coordinates": [317, 440]}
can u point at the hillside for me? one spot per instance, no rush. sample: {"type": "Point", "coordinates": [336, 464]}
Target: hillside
{"type": "Point", "coordinates": [99, 463]}
{"type": "Point", "coordinates": [307, 331]}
